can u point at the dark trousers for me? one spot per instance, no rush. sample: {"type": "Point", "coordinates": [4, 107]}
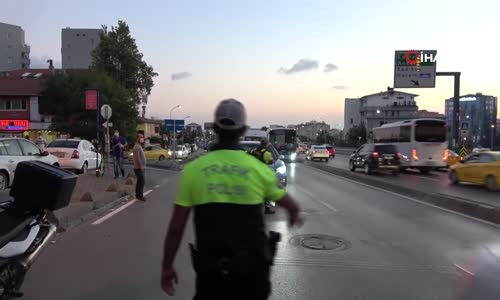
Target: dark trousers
{"type": "Point", "coordinates": [255, 285]}
{"type": "Point", "coordinates": [139, 187]}
{"type": "Point", "coordinates": [118, 166]}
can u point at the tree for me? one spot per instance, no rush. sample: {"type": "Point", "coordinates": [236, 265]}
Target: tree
{"type": "Point", "coordinates": [357, 135]}
{"type": "Point", "coordinates": [324, 138]}
{"type": "Point", "coordinates": [64, 98]}
{"type": "Point", "coordinates": [264, 128]}
{"type": "Point", "coordinates": [118, 56]}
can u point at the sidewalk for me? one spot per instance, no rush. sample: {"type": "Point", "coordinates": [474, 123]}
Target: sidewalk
{"type": "Point", "coordinates": [94, 195]}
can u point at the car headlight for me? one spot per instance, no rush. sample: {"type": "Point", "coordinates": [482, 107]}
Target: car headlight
{"type": "Point", "coordinates": [131, 154]}
{"type": "Point", "coordinates": [293, 156]}
{"type": "Point", "coordinates": [169, 152]}
{"type": "Point", "coordinates": [281, 170]}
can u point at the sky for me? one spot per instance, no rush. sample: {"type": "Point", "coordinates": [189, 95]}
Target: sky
{"type": "Point", "coordinates": [288, 61]}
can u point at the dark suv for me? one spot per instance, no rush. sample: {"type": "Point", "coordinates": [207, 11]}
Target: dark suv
{"type": "Point", "coordinates": [372, 157]}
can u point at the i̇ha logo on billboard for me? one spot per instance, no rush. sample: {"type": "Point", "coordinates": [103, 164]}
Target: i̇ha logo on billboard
{"type": "Point", "coordinates": [414, 58]}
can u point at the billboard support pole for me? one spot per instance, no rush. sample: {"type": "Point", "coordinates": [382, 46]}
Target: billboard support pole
{"type": "Point", "coordinates": [456, 105]}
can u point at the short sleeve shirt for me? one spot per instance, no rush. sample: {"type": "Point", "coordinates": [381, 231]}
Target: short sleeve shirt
{"type": "Point", "coordinates": [227, 176]}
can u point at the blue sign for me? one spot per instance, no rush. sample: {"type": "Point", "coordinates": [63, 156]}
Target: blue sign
{"type": "Point", "coordinates": [179, 125]}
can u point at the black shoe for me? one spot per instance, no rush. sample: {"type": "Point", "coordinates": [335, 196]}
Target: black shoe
{"type": "Point", "coordinates": [269, 211]}
{"type": "Point", "coordinates": [143, 199]}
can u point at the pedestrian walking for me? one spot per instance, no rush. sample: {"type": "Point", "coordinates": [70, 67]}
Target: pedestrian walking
{"type": "Point", "coordinates": [41, 142]}
{"type": "Point", "coordinates": [118, 144]}
{"type": "Point", "coordinates": [139, 166]}
{"type": "Point", "coordinates": [226, 189]}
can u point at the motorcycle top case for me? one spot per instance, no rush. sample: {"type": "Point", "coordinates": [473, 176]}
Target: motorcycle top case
{"type": "Point", "coordinates": [38, 185]}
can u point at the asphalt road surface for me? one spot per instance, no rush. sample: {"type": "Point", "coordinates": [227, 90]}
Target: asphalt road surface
{"type": "Point", "coordinates": [435, 182]}
{"type": "Point", "coordinates": [384, 247]}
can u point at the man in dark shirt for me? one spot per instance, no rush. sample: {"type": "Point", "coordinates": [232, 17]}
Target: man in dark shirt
{"type": "Point", "coordinates": [118, 143]}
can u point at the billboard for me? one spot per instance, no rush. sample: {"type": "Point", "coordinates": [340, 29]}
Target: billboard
{"type": "Point", "coordinates": [415, 69]}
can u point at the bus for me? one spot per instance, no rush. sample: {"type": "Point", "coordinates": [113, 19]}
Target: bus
{"type": "Point", "coordinates": [285, 141]}
{"type": "Point", "coordinates": [255, 135]}
{"type": "Point", "coordinates": [421, 142]}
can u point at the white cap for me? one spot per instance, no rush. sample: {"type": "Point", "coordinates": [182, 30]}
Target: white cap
{"type": "Point", "coordinates": [230, 114]}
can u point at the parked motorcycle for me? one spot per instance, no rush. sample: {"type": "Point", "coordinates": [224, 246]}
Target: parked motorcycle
{"type": "Point", "coordinates": [26, 226]}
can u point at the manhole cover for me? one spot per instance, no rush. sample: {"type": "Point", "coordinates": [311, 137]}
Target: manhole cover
{"type": "Point", "coordinates": [320, 242]}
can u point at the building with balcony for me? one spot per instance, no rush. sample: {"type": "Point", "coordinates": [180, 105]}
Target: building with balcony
{"type": "Point", "coordinates": [77, 45]}
{"type": "Point", "coordinates": [20, 94]}
{"type": "Point", "coordinates": [377, 109]}
{"type": "Point", "coordinates": [14, 53]}
{"type": "Point", "coordinates": [149, 127]}
{"type": "Point", "coordinates": [478, 113]}
{"type": "Point", "coordinates": [193, 127]}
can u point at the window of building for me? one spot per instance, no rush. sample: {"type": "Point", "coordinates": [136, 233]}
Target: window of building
{"type": "Point", "coordinates": [3, 105]}
{"type": "Point", "coordinates": [8, 35]}
{"type": "Point", "coordinates": [392, 113]}
{"type": "Point", "coordinates": [400, 97]}
{"type": "Point", "coordinates": [395, 103]}
{"type": "Point", "coordinates": [16, 104]}
{"type": "Point", "coordinates": [385, 97]}
{"type": "Point", "coordinates": [397, 113]}
{"type": "Point", "coordinates": [83, 34]}
{"type": "Point", "coordinates": [77, 34]}
{"type": "Point", "coordinates": [352, 120]}
{"type": "Point", "coordinates": [9, 59]}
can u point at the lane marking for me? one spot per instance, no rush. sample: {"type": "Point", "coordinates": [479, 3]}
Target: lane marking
{"type": "Point", "coordinates": [157, 186]}
{"type": "Point", "coordinates": [409, 198]}
{"type": "Point", "coordinates": [314, 198]}
{"type": "Point", "coordinates": [116, 211]}
{"type": "Point", "coordinates": [464, 270]}
{"type": "Point", "coordinates": [111, 214]}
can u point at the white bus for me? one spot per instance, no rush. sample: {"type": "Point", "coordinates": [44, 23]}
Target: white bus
{"type": "Point", "coordinates": [422, 142]}
{"type": "Point", "coordinates": [255, 135]}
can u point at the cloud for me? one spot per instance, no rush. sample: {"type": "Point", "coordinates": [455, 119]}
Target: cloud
{"type": "Point", "coordinates": [330, 68]}
{"type": "Point", "coordinates": [40, 62]}
{"type": "Point", "coordinates": [340, 87]}
{"type": "Point", "coordinates": [302, 65]}
{"type": "Point", "coordinates": [181, 75]}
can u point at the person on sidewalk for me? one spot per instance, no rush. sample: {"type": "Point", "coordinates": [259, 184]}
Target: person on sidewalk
{"type": "Point", "coordinates": [139, 166]}
{"type": "Point", "coordinates": [226, 189]}
{"type": "Point", "coordinates": [118, 143]}
{"type": "Point", "coordinates": [41, 142]}
{"type": "Point", "coordinates": [265, 156]}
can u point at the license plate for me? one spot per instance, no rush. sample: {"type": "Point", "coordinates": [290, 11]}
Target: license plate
{"type": "Point", "coordinates": [58, 154]}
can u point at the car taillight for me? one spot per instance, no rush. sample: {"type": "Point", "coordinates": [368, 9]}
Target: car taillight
{"type": "Point", "coordinates": [445, 155]}
{"type": "Point", "coordinates": [375, 154]}
{"type": "Point", "coordinates": [414, 154]}
{"type": "Point", "coordinates": [398, 154]}
{"type": "Point", "coordinates": [314, 151]}
{"type": "Point", "coordinates": [75, 154]}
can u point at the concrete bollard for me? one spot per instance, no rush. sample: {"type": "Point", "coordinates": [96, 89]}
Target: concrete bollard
{"type": "Point", "coordinates": [112, 188]}
{"type": "Point", "coordinates": [87, 197]}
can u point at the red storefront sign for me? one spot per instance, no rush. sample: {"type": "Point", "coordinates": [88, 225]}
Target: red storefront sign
{"type": "Point", "coordinates": [14, 125]}
{"type": "Point", "coordinates": [91, 99]}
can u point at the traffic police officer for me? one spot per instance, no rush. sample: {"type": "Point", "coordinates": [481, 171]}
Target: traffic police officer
{"type": "Point", "coordinates": [265, 156]}
{"type": "Point", "coordinates": [226, 189]}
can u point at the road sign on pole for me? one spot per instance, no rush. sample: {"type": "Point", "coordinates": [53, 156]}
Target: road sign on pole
{"type": "Point", "coordinates": [107, 124]}
{"type": "Point", "coordinates": [106, 111]}
{"type": "Point", "coordinates": [463, 151]}
{"type": "Point", "coordinates": [415, 69]}
{"type": "Point", "coordinates": [169, 125]}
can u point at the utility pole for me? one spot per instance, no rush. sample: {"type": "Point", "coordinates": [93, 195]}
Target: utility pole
{"type": "Point", "coordinates": [456, 105]}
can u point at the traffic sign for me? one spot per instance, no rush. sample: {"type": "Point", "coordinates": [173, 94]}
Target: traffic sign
{"type": "Point", "coordinates": [107, 124]}
{"type": "Point", "coordinates": [169, 124]}
{"type": "Point", "coordinates": [463, 151]}
{"type": "Point", "coordinates": [91, 99]}
{"type": "Point", "coordinates": [465, 125]}
{"type": "Point", "coordinates": [415, 69]}
{"type": "Point", "coordinates": [106, 111]}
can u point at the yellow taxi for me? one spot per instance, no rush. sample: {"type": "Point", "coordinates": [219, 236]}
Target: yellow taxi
{"type": "Point", "coordinates": [481, 168]}
{"type": "Point", "coordinates": [453, 158]}
{"type": "Point", "coordinates": [153, 152]}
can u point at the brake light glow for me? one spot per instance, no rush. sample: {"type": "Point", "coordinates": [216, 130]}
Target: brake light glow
{"type": "Point", "coordinates": [445, 154]}
{"type": "Point", "coordinates": [375, 154]}
{"type": "Point", "coordinates": [398, 154]}
{"type": "Point", "coordinates": [75, 154]}
{"type": "Point", "coordinates": [414, 154]}
{"type": "Point", "coordinates": [314, 151]}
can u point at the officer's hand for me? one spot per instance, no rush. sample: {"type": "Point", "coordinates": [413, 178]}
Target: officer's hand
{"type": "Point", "coordinates": [168, 279]}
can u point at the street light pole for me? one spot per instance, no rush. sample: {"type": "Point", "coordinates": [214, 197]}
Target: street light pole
{"type": "Point", "coordinates": [174, 137]}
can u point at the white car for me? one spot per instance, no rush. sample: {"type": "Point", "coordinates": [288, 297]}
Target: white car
{"type": "Point", "coordinates": [318, 152]}
{"type": "Point", "coordinates": [181, 152]}
{"type": "Point", "coordinates": [16, 150]}
{"type": "Point", "coordinates": [74, 154]}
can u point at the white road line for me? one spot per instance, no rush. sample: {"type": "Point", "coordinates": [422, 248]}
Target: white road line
{"type": "Point", "coordinates": [410, 198]}
{"type": "Point", "coordinates": [111, 214]}
{"type": "Point", "coordinates": [464, 270]}
{"type": "Point", "coordinates": [157, 186]}
{"type": "Point", "coordinates": [314, 198]}
{"type": "Point", "coordinates": [116, 211]}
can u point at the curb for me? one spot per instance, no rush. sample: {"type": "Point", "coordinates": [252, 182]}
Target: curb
{"type": "Point", "coordinates": [464, 206]}
{"type": "Point", "coordinates": [66, 224]}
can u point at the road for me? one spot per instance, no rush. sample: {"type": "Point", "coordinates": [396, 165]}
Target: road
{"type": "Point", "coordinates": [435, 182]}
{"type": "Point", "coordinates": [386, 247]}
